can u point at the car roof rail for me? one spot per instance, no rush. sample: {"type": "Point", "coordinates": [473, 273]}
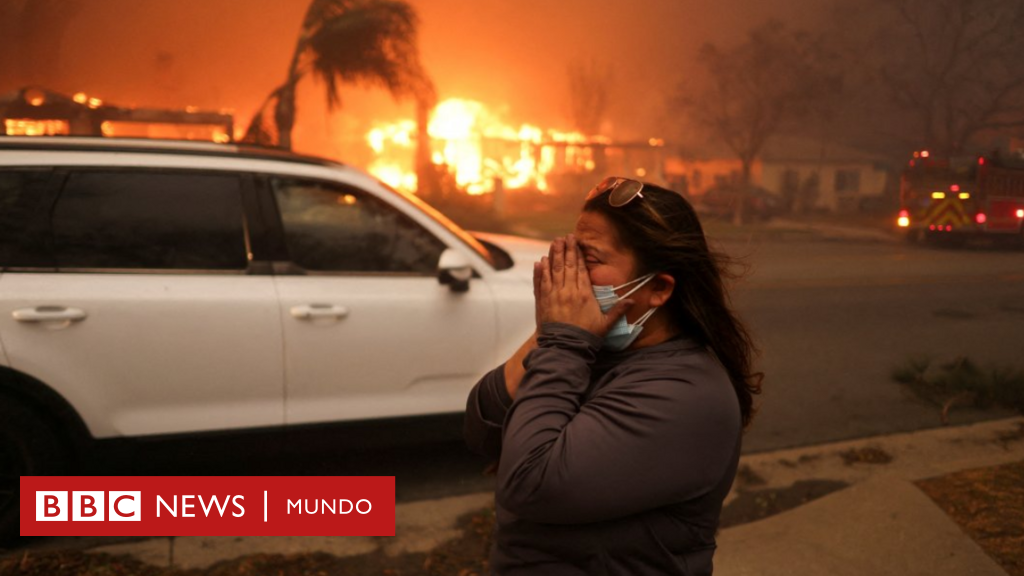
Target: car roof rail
{"type": "Point", "coordinates": [184, 147]}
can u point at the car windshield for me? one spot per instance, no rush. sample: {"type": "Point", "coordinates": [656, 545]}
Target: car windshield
{"type": "Point", "coordinates": [443, 220]}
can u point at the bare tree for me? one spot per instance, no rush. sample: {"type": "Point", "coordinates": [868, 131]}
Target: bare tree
{"type": "Point", "coordinates": [949, 70]}
{"type": "Point", "coordinates": [589, 84]}
{"type": "Point", "coordinates": [773, 80]}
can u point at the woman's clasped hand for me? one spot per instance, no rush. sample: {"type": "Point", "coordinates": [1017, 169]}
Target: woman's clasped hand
{"type": "Point", "coordinates": [563, 292]}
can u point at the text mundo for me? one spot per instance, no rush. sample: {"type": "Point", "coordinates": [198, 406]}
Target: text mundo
{"type": "Point", "coordinates": [207, 505]}
{"type": "Point", "coordinates": [88, 506]}
{"type": "Point", "coordinates": [334, 506]}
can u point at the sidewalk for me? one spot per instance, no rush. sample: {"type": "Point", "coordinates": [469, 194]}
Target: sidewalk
{"type": "Point", "coordinates": [799, 230]}
{"type": "Point", "coordinates": [831, 231]}
{"type": "Point", "coordinates": [880, 527]}
{"type": "Point", "coordinates": [880, 524]}
{"type": "Point", "coordinates": [776, 229]}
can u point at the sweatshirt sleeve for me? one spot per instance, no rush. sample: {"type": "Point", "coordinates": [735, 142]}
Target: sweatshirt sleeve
{"type": "Point", "coordinates": [486, 408]}
{"type": "Point", "coordinates": [647, 439]}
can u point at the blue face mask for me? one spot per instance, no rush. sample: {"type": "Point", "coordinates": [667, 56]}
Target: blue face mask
{"type": "Point", "coordinates": [622, 333]}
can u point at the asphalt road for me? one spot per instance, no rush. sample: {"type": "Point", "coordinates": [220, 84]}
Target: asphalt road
{"type": "Point", "coordinates": [834, 319]}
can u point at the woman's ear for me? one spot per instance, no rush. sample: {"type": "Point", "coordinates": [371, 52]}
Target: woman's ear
{"type": "Point", "coordinates": [662, 286]}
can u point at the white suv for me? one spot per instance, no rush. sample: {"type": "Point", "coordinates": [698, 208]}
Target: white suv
{"type": "Point", "coordinates": [154, 289]}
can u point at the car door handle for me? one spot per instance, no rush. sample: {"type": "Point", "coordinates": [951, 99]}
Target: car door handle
{"type": "Point", "coordinates": [49, 314]}
{"type": "Point", "coordinates": [310, 311]}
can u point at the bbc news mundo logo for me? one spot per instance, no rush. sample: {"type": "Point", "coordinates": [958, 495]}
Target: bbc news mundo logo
{"type": "Point", "coordinates": [207, 505]}
{"type": "Point", "coordinates": [88, 506]}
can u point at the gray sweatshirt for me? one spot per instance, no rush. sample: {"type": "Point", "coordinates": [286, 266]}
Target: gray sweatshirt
{"type": "Point", "coordinates": [609, 463]}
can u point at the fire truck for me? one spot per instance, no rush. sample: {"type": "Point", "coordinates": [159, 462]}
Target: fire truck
{"type": "Point", "coordinates": [948, 200]}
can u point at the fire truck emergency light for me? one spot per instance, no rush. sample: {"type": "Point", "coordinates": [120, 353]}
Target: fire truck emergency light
{"type": "Point", "coordinates": [1020, 213]}
{"type": "Point", "coordinates": [938, 195]}
{"type": "Point", "coordinates": [904, 219]}
{"type": "Point", "coordinates": [980, 218]}
{"type": "Point", "coordinates": [964, 196]}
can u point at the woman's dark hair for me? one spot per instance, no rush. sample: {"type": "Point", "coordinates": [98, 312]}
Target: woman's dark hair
{"type": "Point", "coordinates": [664, 234]}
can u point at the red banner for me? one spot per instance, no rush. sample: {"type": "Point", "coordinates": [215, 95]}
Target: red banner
{"type": "Point", "coordinates": [208, 505]}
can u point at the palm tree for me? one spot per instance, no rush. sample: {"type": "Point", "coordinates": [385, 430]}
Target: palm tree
{"type": "Point", "coordinates": [367, 42]}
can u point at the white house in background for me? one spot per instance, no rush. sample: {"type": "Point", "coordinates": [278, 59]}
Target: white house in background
{"type": "Point", "coordinates": [824, 175]}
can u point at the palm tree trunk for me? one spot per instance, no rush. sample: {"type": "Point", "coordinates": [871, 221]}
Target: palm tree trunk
{"type": "Point", "coordinates": [284, 114]}
{"type": "Point", "coordinates": [284, 111]}
{"type": "Point", "coordinates": [426, 180]}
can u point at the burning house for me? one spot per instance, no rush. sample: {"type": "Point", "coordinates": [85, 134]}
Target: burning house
{"type": "Point", "coordinates": [481, 153]}
{"type": "Point", "coordinates": [39, 112]}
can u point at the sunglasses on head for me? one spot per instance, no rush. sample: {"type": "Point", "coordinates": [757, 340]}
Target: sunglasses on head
{"type": "Point", "coordinates": [623, 190]}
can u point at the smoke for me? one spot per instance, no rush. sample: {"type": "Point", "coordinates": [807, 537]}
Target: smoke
{"type": "Point", "coordinates": [517, 52]}
{"type": "Point", "coordinates": [512, 55]}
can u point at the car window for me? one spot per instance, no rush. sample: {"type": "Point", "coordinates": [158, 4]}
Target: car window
{"type": "Point", "coordinates": [24, 210]}
{"type": "Point", "coordinates": [152, 220]}
{"type": "Point", "coordinates": [466, 238]}
{"type": "Point", "coordinates": [332, 228]}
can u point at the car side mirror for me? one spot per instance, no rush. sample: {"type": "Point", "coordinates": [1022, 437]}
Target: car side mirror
{"type": "Point", "coordinates": [454, 270]}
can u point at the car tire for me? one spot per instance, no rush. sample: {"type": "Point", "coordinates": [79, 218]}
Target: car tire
{"type": "Point", "coordinates": [28, 447]}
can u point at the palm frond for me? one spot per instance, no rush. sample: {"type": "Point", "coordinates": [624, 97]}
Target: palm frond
{"type": "Point", "coordinates": [320, 11]}
{"type": "Point", "coordinates": [371, 43]}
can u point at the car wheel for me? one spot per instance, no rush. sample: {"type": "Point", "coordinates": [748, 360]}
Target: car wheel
{"type": "Point", "coordinates": [28, 447]}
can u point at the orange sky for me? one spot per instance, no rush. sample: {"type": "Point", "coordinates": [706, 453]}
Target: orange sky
{"type": "Point", "coordinates": [510, 54]}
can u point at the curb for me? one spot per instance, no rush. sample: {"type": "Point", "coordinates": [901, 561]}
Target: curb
{"type": "Point", "coordinates": [908, 456]}
{"type": "Point", "coordinates": [833, 232]}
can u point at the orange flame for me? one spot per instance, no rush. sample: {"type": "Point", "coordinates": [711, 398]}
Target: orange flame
{"type": "Point", "coordinates": [478, 148]}
{"type": "Point", "coordinates": [29, 127]}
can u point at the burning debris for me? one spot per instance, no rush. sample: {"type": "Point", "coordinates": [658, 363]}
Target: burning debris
{"type": "Point", "coordinates": [484, 153]}
{"type": "Point", "coordinates": [38, 112]}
